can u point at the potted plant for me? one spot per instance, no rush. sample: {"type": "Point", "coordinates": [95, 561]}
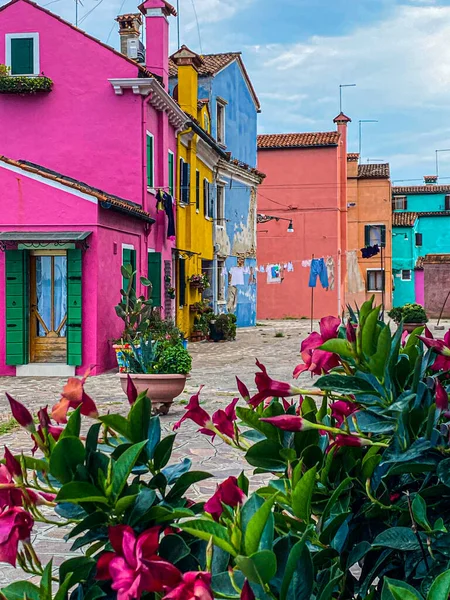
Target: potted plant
{"type": "Point", "coordinates": [159, 368]}
{"type": "Point", "coordinates": [135, 313]}
{"type": "Point", "coordinates": [412, 316]}
{"type": "Point", "coordinates": [199, 281]}
{"type": "Point", "coordinates": [223, 327]}
{"type": "Point", "coordinates": [171, 293]}
{"type": "Point", "coordinates": [23, 84]}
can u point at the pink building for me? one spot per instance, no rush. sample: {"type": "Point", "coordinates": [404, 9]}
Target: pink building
{"type": "Point", "coordinates": [306, 189]}
{"type": "Point", "coordinates": [81, 166]}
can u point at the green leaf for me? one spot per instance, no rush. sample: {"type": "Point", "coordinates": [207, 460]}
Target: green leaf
{"type": "Point", "coordinates": [298, 579]}
{"type": "Point", "coordinates": [266, 455]}
{"type": "Point", "coordinates": [142, 505]}
{"type": "Point", "coordinates": [369, 466]}
{"type": "Point", "coordinates": [397, 538]}
{"type": "Point", "coordinates": [117, 423]}
{"type": "Point", "coordinates": [368, 332]}
{"type": "Point", "coordinates": [153, 436]}
{"type": "Point", "coordinates": [184, 483]}
{"type": "Point", "coordinates": [387, 594]}
{"type": "Point", "coordinates": [61, 594]}
{"type": "Point", "coordinates": [346, 384]}
{"type": "Point", "coordinates": [256, 525]}
{"type": "Point", "coordinates": [123, 467]}
{"type": "Point", "coordinates": [440, 588]}
{"type": "Point", "coordinates": [21, 590]}
{"type": "Point", "coordinates": [332, 527]}
{"type": "Point", "coordinates": [260, 567]}
{"type": "Point", "coordinates": [339, 346]}
{"type": "Point", "coordinates": [46, 582]}
{"type": "Point", "coordinates": [252, 419]}
{"type": "Point", "coordinates": [79, 569]}
{"type": "Point", "coordinates": [139, 419]}
{"type": "Point", "coordinates": [419, 508]}
{"type": "Point", "coordinates": [78, 492]}
{"type": "Point", "coordinates": [205, 529]}
{"type": "Point", "coordinates": [95, 519]}
{"type": "Point", "coordinates": [34, 464]}
{"type": "Point", "coordinates": [302, 495]}
{"type": "Point", "coordinates": [173, 548]}
{"type": "Point", "coordinates": [67, 454]}
{"type": "Point", "coordinates": [443, 471]}
{"type": "Point", "coordinates": [73, 426]}
{"type": "Point", "coordinates": [378, 361]}
{"type": "Point", "coordinates": [403, 594]}
{"type": "Point", "coordinates": [163, 452]}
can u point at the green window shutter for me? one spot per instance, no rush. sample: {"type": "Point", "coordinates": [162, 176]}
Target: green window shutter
{"type": "Point", "coordinates": [171, 190]}
{"type": "Point", "coordinates": [181, 282]}
{"type": "Point", "coordinates": [367, 235]}
{"type": "Point", "coordinates": [129, 258]}
{"type": "Point", "coordinates": [22, 56]}
{"type": "Point", "coordinates": [74, 306]}
{"type": "Point", "coordinates": [187, 178]}
{"type": "Point", "coordinates": [155, 275]}
{"type": "Point", "coordinates": [16, 307]}
{"type": "Point", "coordinates": [150, 160]}
{"type": "Point", "coordinates": [206, 197]}
{"type": "Point", "coordinates": [383, 235]}
{"type": "Point", "coordinates": [197, 190]}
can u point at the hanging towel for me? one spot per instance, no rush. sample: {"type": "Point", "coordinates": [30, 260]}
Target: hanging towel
{"type": "Point", "coordinates": [237, 276]}
{"type": "Point", "coordinates": [159, 201]}
{"type": "Point", "coordinates": [306, 263]}
{"type": "Point", "coordinates": [330, 271]}
{"type": "Point", "coordinates": [355, 282]}
{"type": "Point", "coordinates": [318, 269]}
{"type": "Point", "coordinates": [274, 274]}
{"type": "Point", "coordinates": [290, 267]}
{"type": "Point", "coordinates": [262, 269]}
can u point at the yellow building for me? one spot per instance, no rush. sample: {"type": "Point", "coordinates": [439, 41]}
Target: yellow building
{"type": "Point", "coordinates": [198, 157]}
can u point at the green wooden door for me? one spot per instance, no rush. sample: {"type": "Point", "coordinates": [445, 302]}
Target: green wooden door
{"type": "Point", "coordinates": [74, 306]}
{"type": "Point", "coordinates": [155, 275]}
{"type": "Point", "coordinates": [17, 308]}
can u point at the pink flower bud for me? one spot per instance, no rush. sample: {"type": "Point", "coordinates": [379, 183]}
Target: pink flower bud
{"type": "Point", "coordinates": [21, 414]}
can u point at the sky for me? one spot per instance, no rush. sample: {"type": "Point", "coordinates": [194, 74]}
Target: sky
{"type": "Point", "coordinates": [298, 52]}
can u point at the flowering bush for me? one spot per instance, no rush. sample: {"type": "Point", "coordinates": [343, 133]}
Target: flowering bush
{"type": "Point", "coordinates": [355, 505]}
{"type": "Point", "coordinates": [200, 281]}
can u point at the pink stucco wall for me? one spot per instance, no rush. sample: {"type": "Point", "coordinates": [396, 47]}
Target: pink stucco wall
{"type": "Point", "coordinates": [302, 185]}
{"type": "Point", "coordinates": [419, 286]}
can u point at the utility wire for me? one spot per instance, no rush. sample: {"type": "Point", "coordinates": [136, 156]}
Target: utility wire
{"type": "Point", "coordinates": [113, 25]}
{"type": "Point", "coordinates": [198, 26]}
{"type": "Point", "coordinates": [85, 16]}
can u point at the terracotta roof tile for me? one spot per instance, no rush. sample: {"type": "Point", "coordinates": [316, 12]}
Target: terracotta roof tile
{"type": "Point", "coordinates": [114, 202]}
{"type": "Point", "coordinates": [169, 8]}
{"type": "Point", "coordinates": [421, 189]}
{"type": "Point", "coordinates": [352, 156]}
{"type": "Point", "coordinates": [142, 70]}
{"type": "Point", "coordinates": [436, 259]}
{"type": "Point", "coordinates": [298, 140]}
{"type": "Point", "coordinates": [419, 263]}
{"type": "Point", "coordinates": [403, 219]}
{"type": "Point", "coordinates": [374, 171]}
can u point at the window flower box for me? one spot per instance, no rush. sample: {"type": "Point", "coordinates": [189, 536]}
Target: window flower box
{"type": "Point", "coordinates": [24, 85]}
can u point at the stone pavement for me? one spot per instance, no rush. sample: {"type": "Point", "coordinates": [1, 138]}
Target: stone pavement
{"type": "Point", "coordinates": [275, 343]}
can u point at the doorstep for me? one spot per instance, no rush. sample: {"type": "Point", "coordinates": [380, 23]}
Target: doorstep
{"type": "Point", "coordinates": [45, 370]}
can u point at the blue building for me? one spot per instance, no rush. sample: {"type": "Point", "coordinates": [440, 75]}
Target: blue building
{"type": "Point", "coordinates": [225, 88]}
{"type": "Point", "coordinates": [421, 245]}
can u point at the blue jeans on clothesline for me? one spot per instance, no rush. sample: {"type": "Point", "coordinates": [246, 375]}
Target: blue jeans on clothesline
{"type": "Point", "coordinates": [318, 269]}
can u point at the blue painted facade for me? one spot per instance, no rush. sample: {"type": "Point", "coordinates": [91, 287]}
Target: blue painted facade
{"type": "Point", "coordinates": [408, 247]}
{"type": "Point", "coordinates": [235, 237]}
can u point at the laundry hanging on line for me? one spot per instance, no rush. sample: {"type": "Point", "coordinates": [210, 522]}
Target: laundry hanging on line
{"type": "Point", "coordinates": [370, 251]}
{"type": "Point", "coordinates": [164, 202]}
{"type": "Point", "coordinates": [318, 270]}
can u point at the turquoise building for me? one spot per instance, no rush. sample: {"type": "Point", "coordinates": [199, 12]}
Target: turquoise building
{"type": "Point", "coordinates": [421, 245]}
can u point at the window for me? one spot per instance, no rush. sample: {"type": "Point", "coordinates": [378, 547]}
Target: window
{"type": "Point", "coordinates": [150, 161]}
{"type": "Point", "coordinates": [155, 276]}
{"type": "Point", "coordinates": [207, 198]}
{"type": "Point", "coordinates": [171, 177]}
{"type": "Point", "coordinates": [375, 234]}
{"type": "Point", "coordinates": [128, 258]}
{"type": "Point", "coordinates": [220, 121]}
{"type": "Point", "coordinates": [418, 239]}
{"type": "Point", "coordinates": [181, 281]}
{"type": "Point", "coordinates": [220, 205]}
{"type": "Point", "coordinates": [399, 203]}
{"type": "Point", "coordinates": [22, 53]}
{"type": "Point", "coordinates": [197, 190]}
{"type": "Point", "coordinates": [185, 181]}
{"type": "Point", "coordinates": [375, 280]}
{"type": "Point", "coordinates": [447, 202]}
{"type": "Point", "coordinates": [406, 275]}
{"type": "Point", "coordinates": [220, 281]}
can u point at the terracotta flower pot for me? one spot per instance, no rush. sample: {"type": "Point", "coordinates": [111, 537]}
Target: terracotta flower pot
{"type": "Point", "coordinates": [409, 327]}
{"type": "Point", "coordinates": [161, 389]}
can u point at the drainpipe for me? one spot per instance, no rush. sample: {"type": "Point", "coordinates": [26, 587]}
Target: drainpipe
{"type": "Point", "coordinates": [147, 231]}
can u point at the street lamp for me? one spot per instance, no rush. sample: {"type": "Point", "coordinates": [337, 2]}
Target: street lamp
{"type": "Point", "coordinates": [266, 218]}
{"type": "Point", "coordinates": [360, 122]}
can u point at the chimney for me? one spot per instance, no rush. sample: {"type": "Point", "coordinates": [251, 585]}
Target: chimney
{"type": "Point", "coordinates": [156, 14]}
{"type": "Point", "coordinates": [130, 31]}
{"type": "Point", "coordinates": [188, 64]}
{"type": "Point", "coordinates": [352, 164]}
{"type": "Point", "coordinates": [430, 179]}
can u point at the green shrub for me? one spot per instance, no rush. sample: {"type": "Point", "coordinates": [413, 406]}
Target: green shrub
{"type": "Point", "coordinates": [409, 313]}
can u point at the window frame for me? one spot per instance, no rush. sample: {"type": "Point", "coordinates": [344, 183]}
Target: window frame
{"type": "Point", "coordinates": [406, 278]}
{"type": "Point", "coordinates": [220, 132]}
{"type": "Point", "coordinates": [383, 273]}
{"type": "Point", "coordinates": [171, 173]}
{"type": "Point", "coordinates": [404, 199]}
{"type": "Point", "coordinates": [220, 219]}
{"type": "Point", "coordinates": [383, 231]}
{"type": "Point", "coordinates": [197, 191]}
{"type": "Point", "coordinates": [207, 198]}
{"type": "Point", "coordinates": [150, 175]}
{"type": "Point", "coordinates": [36, 54]}
{"type": "Point", "coordinates": [220, 283]}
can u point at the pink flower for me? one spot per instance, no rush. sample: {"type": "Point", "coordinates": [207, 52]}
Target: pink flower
{"type": "Point", "coordinates": [21, 414]}
{"type": "Point", "coordinates": [228, 492]}
{"type": "Point", "coordinates": [11, 495]}
{"type": "Point", "coordinates": [224, 419]}
{"type": "Point", "coordinates": [195, 585]}
{"type": "Point", "coordinates": [194, 412]}
{"type": "Point", "coordinates": [289, 423]}
{"type": "Point", "coordinates": [247, 592]}
{"type": "Point", "coordinates": [350, 440]}
{"type": "Point", "coordinates": [350, 332]}
{"type": "Point", "coordinates": [319, 361]}
{"type": "Point", "coordinates": [134, 566]}
{"type": "Point", "coordinates": [45, 426]}
{"type": "Point", "coordinates": [74, 396]}
{"type": "Point", "coordinates": [270, 388]}
{"type": "Point", "coordinates": [15, 526]}
{"type": "Point", "coordinates": [243, 390]}
{"type": "Point", "coordinates": [132, 393]}
{"type": "Point", "coordinates": [441, 347]}
{"type": "Point", "coordinates": [12, 464]}
{"type": "Point", "coordinates": [441, 396]}
{"type": "Point", "coordinates": [341, 409]}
